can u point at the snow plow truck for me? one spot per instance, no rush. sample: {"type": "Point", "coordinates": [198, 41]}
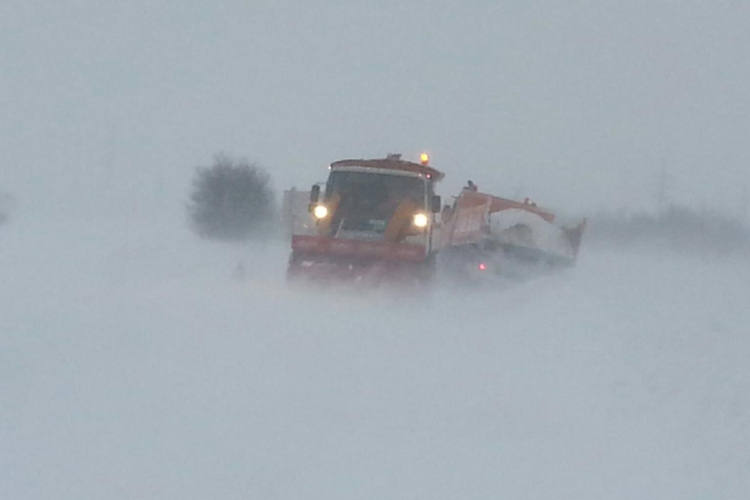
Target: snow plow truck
{"type": "Point", "coordinates": [376, 220]}
{"type": "Point", "coordinates": [379, 220]}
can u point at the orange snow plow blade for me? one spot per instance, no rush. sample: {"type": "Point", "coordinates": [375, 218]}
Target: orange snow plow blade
{"type": "Point", "coordinates": [519, 229]}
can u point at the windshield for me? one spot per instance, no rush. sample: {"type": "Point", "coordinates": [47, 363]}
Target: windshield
{"type": "Point", "coordinates": [367, 201]}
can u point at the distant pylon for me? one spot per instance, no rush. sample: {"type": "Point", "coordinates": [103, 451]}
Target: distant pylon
{"type": "Point", "coordinates": [663, 188]}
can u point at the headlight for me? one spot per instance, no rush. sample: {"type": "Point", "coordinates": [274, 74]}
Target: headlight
{"type": "Point", "coordinates": [320, 212]}
{"type": "Point", "coordinates": [420, 220]}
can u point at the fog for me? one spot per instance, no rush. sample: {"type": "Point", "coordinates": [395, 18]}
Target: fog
{"type": "Point", "coordinates": [577, 105]}
{"type": "Point", "coordinates": [135, 363]}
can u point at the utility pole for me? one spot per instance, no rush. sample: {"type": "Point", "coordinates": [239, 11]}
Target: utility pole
{"type": "Point", "coordinates": [663, 188]}
{"type": "Point", "coordinates": [108, 158]}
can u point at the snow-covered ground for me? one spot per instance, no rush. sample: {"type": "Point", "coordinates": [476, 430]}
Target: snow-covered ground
{"type": "Point", "coordinates": [134, 366]}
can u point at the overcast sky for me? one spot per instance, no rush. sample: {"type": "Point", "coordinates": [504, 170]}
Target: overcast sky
{"type": "Point", "coordinates": [575, 103]}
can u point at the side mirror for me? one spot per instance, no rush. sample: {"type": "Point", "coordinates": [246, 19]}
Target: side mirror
{"type": "Point", "coordinates": [436, 203]}
{"type": "Point", "coordinates": [315, 194]}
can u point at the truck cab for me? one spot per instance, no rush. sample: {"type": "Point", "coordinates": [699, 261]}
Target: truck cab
{"type": "Point", "coordinates": [372, 212]}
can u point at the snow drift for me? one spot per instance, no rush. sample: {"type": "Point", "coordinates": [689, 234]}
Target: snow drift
{"type": "Point", "coordinates": [134, 364]}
